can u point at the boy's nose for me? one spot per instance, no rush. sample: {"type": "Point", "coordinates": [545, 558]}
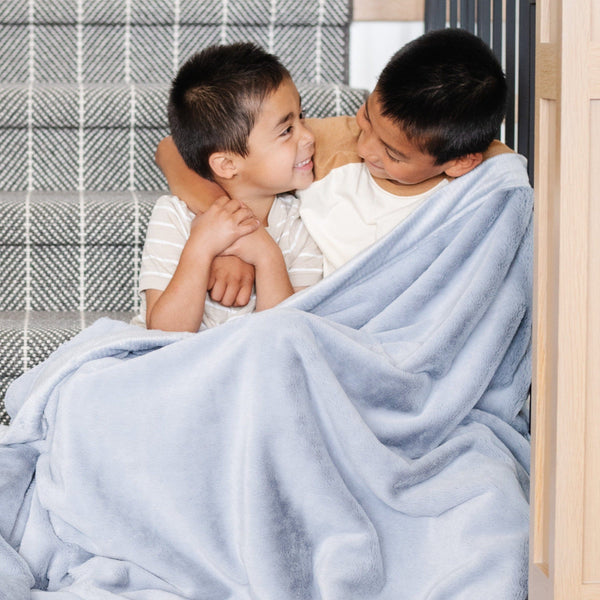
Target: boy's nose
{"type": "Point", "coordinates": [365, 148]}
{"type": "Point", "coordinates": [307, 137]}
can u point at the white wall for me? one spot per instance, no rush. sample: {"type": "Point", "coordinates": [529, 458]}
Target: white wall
{"type": "Point", "coordinates": [372, 43]}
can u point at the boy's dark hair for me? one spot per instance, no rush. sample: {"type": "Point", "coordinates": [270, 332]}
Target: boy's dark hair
{"type": "Point", "coordinates": [215, 99]}
{"type": "Point", "coordinates": [446, 89]}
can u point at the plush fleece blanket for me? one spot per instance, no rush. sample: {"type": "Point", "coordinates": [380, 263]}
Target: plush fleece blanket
{"type": "Point", "coordinates": [364, 440]}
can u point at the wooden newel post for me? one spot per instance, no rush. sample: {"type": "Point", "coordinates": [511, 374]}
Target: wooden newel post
{"type": "Point", "coordinates": [565, 497]}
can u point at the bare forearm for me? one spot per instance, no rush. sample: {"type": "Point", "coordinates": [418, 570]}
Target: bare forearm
{"type": "Point", "coordinates": [198, 193]}
{"type": "Point", "coordinates": [181, 306]}
{"type": "Point", "coordinates": [272, 282]}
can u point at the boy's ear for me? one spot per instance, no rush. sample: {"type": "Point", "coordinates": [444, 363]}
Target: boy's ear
{"type": "Point", "coordinates": [223, 165]}
{"type": "Point", "coordinates": [464, 164]}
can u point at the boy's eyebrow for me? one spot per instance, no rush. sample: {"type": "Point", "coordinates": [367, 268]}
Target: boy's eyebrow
{"type": "Point", "coordinates": [394, 151]}
{"type": "Point", "coordinates": [390, 148]}
{"type": "Point", "coordinates": [289, 117]}
{"type": "Point", "coordinates": [284, 119]}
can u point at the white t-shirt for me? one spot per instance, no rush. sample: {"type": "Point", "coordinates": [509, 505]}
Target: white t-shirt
{"type": "Point", "coordinates": [346, 211]}
{"type": "Point", "coordinates": [169, 230]}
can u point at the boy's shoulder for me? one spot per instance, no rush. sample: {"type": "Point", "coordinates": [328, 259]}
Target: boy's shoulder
{"type": "Point", "coordinates": [335, 143]}
{"type": "Point", "coordinates": [343, 126]}
{"type": "Point", "coordinates": [169, 204]}
{"type": "Point", "coordinates": [495, 149]}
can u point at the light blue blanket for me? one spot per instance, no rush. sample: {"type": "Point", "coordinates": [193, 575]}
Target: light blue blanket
{"type": "Point", "coordinates": [365, 440]}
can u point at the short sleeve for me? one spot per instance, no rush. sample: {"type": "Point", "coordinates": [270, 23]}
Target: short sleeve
{"type": "Point", "coordinates": [167, 233]}
{"type": "Point", "coordinates": [302, 256]}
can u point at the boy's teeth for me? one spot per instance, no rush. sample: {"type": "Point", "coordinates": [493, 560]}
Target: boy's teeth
{"type": "Point", "coordinates": [304, 162]}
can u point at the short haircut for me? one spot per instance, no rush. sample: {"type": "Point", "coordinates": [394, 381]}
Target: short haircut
{"type": "Point", "coordinates": [215, 98]}
{"type": "Point", "coordinates": [446, 89]}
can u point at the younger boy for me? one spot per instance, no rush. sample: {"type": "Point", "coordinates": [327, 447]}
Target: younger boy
{"type": "Point", "coordinates": [236, 119]}
{"type": "Point", "coordinates": [432, 117]}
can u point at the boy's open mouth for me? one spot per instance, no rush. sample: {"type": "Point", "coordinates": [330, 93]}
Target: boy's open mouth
{"type": "Point", "coordinates": [303, 163]}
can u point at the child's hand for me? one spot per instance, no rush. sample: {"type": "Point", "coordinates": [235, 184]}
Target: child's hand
{"type": "Point", "coordinates": [221, 225]}
{"type": "Point", "coordinates": [254, 248]}
{"type": "Point", "coordinates": [231, 281]}
{"type": "Point", "coordinates": [272, 280]}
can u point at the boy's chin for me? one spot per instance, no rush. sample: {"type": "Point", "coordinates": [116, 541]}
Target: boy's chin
{"type": "Point", "coordinates": [307, 180]}
{"type": "Point", "coordinates": [378, 172]}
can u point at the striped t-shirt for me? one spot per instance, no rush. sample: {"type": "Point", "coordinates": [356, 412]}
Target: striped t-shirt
{"type": "Point", "coordinates": [169, 230]}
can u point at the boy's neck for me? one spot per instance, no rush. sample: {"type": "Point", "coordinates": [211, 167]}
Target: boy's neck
{"type": "Point", "coordinates": [261, 207]}
{"type": "Point", "coordinates": [402, 189]}
{"type": "Point", "coordinates": [260, 204]}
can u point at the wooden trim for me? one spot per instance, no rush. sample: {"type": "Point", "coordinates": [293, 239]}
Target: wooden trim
{"type": "Point", "coordinates": [591, 539]}
{"type": "Point", "coordinates": [539, 580]}
{"type": "Point", "coordinates": [545, 349]}
{"type": "Point", "coordinates": [590, 592]}
{"type": "Point", "coordinates": [565, 551]}
{"type": "Point", "coordinates": [389, 10]}
{"type": "Point", "coordinates": [595, 71]}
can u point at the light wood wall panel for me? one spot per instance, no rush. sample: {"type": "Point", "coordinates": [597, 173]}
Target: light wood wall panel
{"type": "Point", "coordinates": [565, 529]}
{"type": "Point", "coordinates": [591, 528]}
{"type": "Point", "coordinates": [389, 10]}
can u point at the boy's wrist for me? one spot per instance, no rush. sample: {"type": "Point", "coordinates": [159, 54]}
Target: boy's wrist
{"type": "Point", "coordinates": [265, 250]}
{"type": "Point", "coordinates": [203, 243]}
{"type": "Point", "coordinates": [270, 257]}
{"type": "Point", "coordinates": [199, 252]}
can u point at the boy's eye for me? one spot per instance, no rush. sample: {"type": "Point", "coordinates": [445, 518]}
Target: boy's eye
{"type": "Point", "coordinates": [287, 131]}
{"type": "Point", "coordinates": [302, 115]}
{"type": "Point", "coordinates": [391, 157]}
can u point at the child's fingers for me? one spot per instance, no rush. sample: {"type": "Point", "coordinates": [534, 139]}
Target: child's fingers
{"type": "Point", "coordinates": [242, 214]}
{"type": "Point", "coordinates": [217, 290]}
{"type": "Point", "coordinates": [223, 201]}
{"type": "Point", "coordinates": [225, 205]}
{"type": "Point", "coordinates": [248, 225]}
{"type": "Point", "coordinates": [230, 205]}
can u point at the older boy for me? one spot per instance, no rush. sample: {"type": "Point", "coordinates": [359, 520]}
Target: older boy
{"type": "Point", "coordinates": [236, 119]}
{"type": "Point", "coordinates": [433, 116]}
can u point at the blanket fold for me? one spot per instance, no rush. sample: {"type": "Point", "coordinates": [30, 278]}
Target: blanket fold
{"type": "Point", "coordinates": [364, 440]}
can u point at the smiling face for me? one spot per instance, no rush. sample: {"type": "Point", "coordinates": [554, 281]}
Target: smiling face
{"type": "Point", "coordinates": [387, 151]}
{"type": "Point", "coordinates": [280, 148]}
